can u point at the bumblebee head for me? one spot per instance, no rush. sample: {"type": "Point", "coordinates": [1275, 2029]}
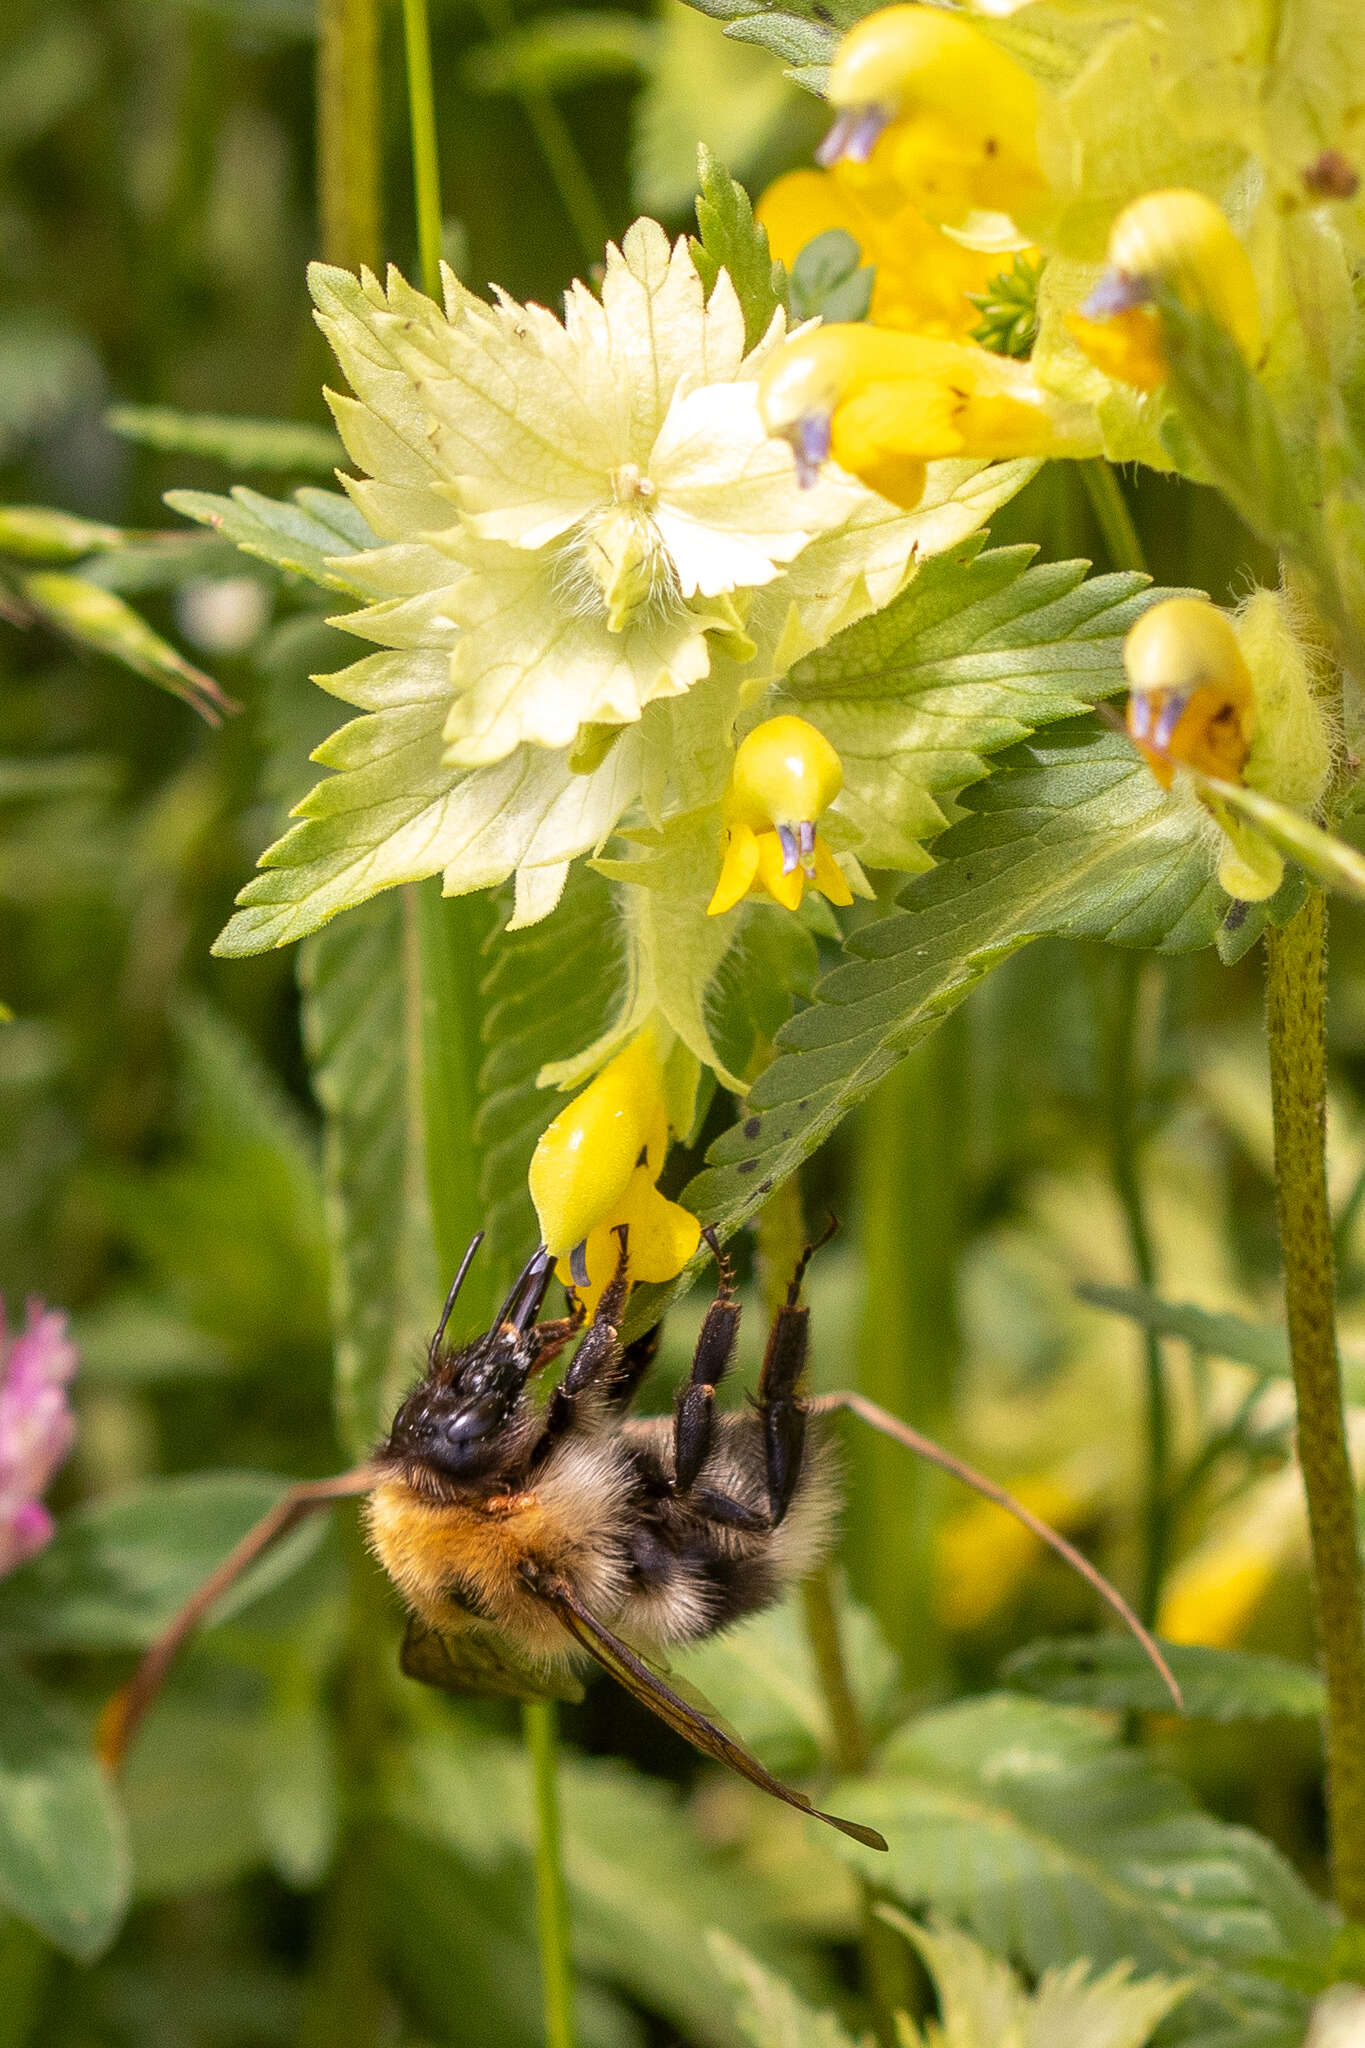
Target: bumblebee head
{"type": "Point", "coordinates": [456, 1421]}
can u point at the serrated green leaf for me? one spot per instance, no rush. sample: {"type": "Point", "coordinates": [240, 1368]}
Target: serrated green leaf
{"type": "Point", "coordinates": [221, 437]}
{"type": "Point", "coordinates": [1263, 1346]}
{"type": "Point", "coordinates": [100, 620]}
{"type": "Point", "coordinates": [300, 536]}
{"type": "Point", "coordinates": [557, 52]}
{"type": "Point", "coordinates": [976, 653]}
{"type": "Point", "coordinates": [643, 1884]}
{"type": "Point", "coordinates": [551, 989]}
{"type": "Point", "coordinates": [1071, 835]}
{"type": "Point", "coordinates": [1218, 1685]}
{"type": "Point", "coordinates": [804, 34]}
{"type": "Point", "coordinates": [762, 1677]}
{"type": "Point", "coordinates": [769, 2011]}
{"type": "Point", "coordinates": [982, 2003]}
{"type": "Point", "coordinates": [1050, 1838]}
{"type": "Point", "coordinates": [117, 1570]}
{"type": "Point", "coordinates": [732, 240]}
{"type": "Point", "coordinates": [63, 1863]}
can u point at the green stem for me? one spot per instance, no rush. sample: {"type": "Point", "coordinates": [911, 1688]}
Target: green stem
{"type": "Point", "coordinates": [348, 131]}
{"type": "Point", "coordinates": [1296, 1026]}
{"type": "Point", "coordinates": [541, 1731]}
{"type": "Point", "coordinates": [567, 170]}
{"type": "Point", "coordinates": [1121, 538]}
{"type": "Point", "coordinates": [344, 2002]}
{"type": "Point", "coordinates": [1120, 1089]}
{"type": "Point", "coordinates": [426, 162]}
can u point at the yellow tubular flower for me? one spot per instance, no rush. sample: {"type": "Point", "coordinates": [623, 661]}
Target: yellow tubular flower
{"type": "Point", "coordinates": [786, 775]}
{"type": "Point", "coordinates": [922, 277]}
{"type": "Point", "coordinates": [595, 1168]}
{"type": "Point", "coordinates": [1191, 697]}
{"type": "Point", "coordinates": [936, 111]}
{"type": "Point", "coordinates": [883, 404]}
{"type": "Point", "coordinates": [1192, 703]}
{"type": "Point", "coordinates": [1180, 240]}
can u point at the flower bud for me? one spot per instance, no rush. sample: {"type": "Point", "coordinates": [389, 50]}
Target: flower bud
{"type": "Point", "coordinates": [1191, 699]}
{"type": "Point", "coordinates": [36, 1426]}
{"type": "Point", "coordinates": [785, 776]}
{"type": "Point", "coordinates": [1181, 241]}
{"type": "Point", "coordinates": [954, 116]}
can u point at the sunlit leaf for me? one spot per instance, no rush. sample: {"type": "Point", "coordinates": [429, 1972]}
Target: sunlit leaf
{"type": "Point", "coordinates": [1216, 1685]}
{"type": "Point", "coordinates": [770, 2013]}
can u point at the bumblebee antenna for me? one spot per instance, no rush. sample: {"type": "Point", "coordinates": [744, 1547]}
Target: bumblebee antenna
{"type": "Point", "coordinates": [456, 1284]}
{"type": "Point", "coordinates": [925, 1447]}
{"type": "Point", "coordinates": [830, 1230]}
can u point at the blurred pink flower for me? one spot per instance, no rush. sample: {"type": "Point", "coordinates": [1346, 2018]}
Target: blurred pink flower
{"type": "Point", "coordinates": [36, 1426]}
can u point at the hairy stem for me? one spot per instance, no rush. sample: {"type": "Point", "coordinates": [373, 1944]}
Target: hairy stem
{"type": "Point", "coordinates": [348, 154]}
{"type": "Point", "coordinates": [540, 1725]}
{"type": "Point", "coordinates": [1296, 1028]}
{"type": "Point", "coordinates": [426, 163]}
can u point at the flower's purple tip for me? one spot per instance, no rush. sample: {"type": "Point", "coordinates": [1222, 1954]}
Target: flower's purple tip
{"type": "Point", "coordinates": [36, 1426]}
{"type": "Point", "coordinates": [791, 849]}
{"type": "Point", "coordinates": [854, 135]}
{"type": "Point", "coordinates": [805, 833]}
{"type": "Point", "coordinates": [1116, 292]}
{"type": "Point", "coordinates": [810, 445]}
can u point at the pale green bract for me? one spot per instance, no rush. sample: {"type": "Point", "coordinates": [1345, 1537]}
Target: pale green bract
{"type": "Point", "coordinates": [584, 558]}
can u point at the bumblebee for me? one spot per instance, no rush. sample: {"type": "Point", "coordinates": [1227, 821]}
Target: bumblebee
{"type": "Point", "coordinates": [527, 1537]}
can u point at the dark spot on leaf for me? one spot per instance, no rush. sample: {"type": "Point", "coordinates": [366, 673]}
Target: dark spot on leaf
{"type": "Point", "coordinates": [747, 1166]}
{"type": "Point", "coordinates": [823, 14]}
{"type": "Point", "coordinates": [765, 1187]}
{"type": "Point", "coordinates": [752, 1126]}
{"type": "Point", "coordinates": [1332, 177]}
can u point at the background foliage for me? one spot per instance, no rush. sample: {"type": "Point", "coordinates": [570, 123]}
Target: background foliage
{"type": "Point", "coordinates": [306, 1848]}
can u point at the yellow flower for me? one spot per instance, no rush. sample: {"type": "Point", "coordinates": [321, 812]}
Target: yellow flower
{"type": "Point", "coordinates": [922, 277]}
{"type": "Point", "coordinates": [1192, 703]}
{"type": "Point", "coordinates": [883, 404]}
{"type": "Point", "coordinates": [939, 114]}
{"type": "Point", "coordinates": [1191, 698]}
{"type": "Point", "coordinates": [786, 775]}
{"type": "Point", "coordinates": [1179, 240]}
{"type": "Point", "coordinates": [594, 1169]}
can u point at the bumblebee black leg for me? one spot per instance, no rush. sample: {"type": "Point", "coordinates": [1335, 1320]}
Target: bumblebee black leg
{"type": "Point", "coordinates": [694, 1414]}
{"type": "Point", "coordinates": [781, 1411]}
{"type": "Point", "coordinates": [594, 1364]}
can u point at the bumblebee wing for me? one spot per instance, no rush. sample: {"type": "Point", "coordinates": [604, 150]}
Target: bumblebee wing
{"type": "Point", "coordinates": [694, 1724]}
{"type": "Point", "coordinates": [480, 1664]}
